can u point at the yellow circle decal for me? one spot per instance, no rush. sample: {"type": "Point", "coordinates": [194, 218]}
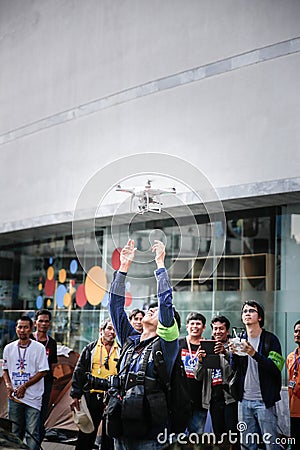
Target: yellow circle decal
{"type": "Point", "coordinates": [50, 273]}
{"type": "Point", "coordinates": [62, 275]}
{"type": "Point", "coordinates": [67, 299]}
{"type": "Point", "coordinates": [95, 285]}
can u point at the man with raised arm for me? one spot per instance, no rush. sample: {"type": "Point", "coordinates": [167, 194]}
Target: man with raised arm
{"type": "Point", "coordinates": [144, 409]}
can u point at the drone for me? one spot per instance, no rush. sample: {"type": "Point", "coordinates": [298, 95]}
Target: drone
{"type": "Point", "coordinates": [148, 198]}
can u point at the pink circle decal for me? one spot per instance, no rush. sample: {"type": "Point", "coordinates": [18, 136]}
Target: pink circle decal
{"type": "Point", "coordinates": [49, 287]}
{"type": "Point", "coordinates": [80, 296]}
{"type": "Point", "coordinates": [128, 299]}
{"type": "Point", "coordinates": [115, 258]}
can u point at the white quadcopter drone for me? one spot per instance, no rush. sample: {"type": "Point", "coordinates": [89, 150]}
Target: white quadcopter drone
{"type": "Point", "coordinates": [148, 199]}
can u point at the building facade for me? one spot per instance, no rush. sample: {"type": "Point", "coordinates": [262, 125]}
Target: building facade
{"type": "Point", "coordinates": [203, 96]}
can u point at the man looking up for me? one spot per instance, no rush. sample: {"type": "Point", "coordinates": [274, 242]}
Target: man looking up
{"type": "Point", "coordinates": [141, 425]}
{"type": "Point", "coordinates": [189, 346]}
{"type": "Point", "coordinates": [293, 367]}
{"type": "Point", "coordinates": [43, 323]}
{"type": "Point", "coordinates": [24, 368]}
{"type": "Point", "coordinates": [259, 379]}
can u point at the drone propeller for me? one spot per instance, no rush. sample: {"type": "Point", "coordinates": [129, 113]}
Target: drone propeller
{"type": "Point", "coordinates": [120, 189]}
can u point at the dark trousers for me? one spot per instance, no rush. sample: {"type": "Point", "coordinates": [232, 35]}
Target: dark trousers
{"type": "Point", "coordinates": [295, 432]}
{"type": "Point", "coordinates": [45, 404]}
{"type": "Point", "coordinates": [224, 418]}
{"type": "Point", "coordinates": [85, 441]}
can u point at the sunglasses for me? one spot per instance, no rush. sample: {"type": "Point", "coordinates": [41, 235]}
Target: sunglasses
{"type": "Point", "coordinates": [106, 363]}
{"type": "Point", "coordinates": [250, 310]}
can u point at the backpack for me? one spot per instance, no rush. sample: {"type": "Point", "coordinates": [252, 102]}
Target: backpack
{"type": "Point", "coordinates": [175, 387]}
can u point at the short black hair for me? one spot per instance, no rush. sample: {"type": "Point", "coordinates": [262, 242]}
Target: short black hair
{"type": "Point", "coordinates": [134, 312]}
{"type": "Point", "coordinates": [25, 318]}
{"type": "Point", "coordinates": [221, 319]}
{"type": "Point", "coordinates": [297, 323]}
{"type": "Point", "coordinates": [176, 313]}
{"type": "Point", "coordinates": [104, 323]}
{"type": "Point", "coordinates": [42, 312]}
{"type": "Point", "coordinates": [194, 315]}
{"type": "Point", "coordinates": [260, 310]}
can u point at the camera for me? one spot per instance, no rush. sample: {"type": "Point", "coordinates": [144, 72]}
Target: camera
{"type": "Point", "coordinates": [103, 384]}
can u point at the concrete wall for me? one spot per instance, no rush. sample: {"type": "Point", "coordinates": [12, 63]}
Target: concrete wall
{"type": "Point", "coordinates": [85, 82]}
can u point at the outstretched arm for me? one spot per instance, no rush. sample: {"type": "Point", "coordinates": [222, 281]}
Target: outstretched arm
{"type": "Point", "coordinates": [167, 328]}
{"type": "Point", "coordinates": [160, 253]}
{"type": "Point", "coordinates": [117, 295]}
{"type": "Point", "coordinates": [127, 256]}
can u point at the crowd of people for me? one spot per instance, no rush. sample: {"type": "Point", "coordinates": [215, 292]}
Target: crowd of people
{"type": "Point", "coordinates": [126, 396]}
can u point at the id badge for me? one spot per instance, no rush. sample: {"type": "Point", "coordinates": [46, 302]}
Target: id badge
{"type": "Point", "coordinates": [292, 384]}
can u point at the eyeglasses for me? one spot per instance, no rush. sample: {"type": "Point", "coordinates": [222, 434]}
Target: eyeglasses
{"type": "Point", "coordinates": [250, 310]}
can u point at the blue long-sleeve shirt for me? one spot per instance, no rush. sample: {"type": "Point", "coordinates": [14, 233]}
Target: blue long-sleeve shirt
{"type": "Point", "coordinates": [125, 330]}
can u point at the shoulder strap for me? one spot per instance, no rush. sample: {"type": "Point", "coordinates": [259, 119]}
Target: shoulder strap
{"type": "Point", "coordinates": [127, 344]}
{"type": "Point", "coordinates": [160, 366]}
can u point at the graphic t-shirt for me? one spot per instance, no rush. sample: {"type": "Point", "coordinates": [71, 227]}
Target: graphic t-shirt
{"type": "Point", "coordinates": [22, 364]}
{"type": "Point", "coordinates": [190, 360]}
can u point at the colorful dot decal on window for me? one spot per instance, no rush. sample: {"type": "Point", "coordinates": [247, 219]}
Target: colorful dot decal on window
{"type": "Point", "coordinates": [40, 287]}
{"type": "Point", "coordinates": [67, 299]}
{"type": "Point", "coordinates": [62, 275]}
{"type": "Point", "coordinates": [105, 300]}
{"type": "Point", "coordinates": [60, 293]}
{"type": "Point", "coordinates": [49, 287]}
{"type": "Point", "coordinates": [73, 266]}
{"type": "Point", "coordinates": [50, 273]}
{"type": "Point", "coordinates": [128, 299]}
{"type": "Point", "coordinates": [80, 296]}
{"type": "Point", "coordinates": [95, 285]}
{"type": "Point", "coordinates": [49, 303]}
{"type": "Point", "coordinates": [39, 302]}
{"type": "Point", "coordinates": [115, 258]}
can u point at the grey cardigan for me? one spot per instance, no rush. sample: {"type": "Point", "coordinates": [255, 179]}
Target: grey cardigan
{"type": "Point", "coordinates": [205, 374]}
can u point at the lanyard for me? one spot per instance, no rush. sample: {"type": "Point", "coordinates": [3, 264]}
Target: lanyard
{"type": "Point", "coordinates": [296, 364]}
{"type": "Point", "coordinates": [22, 360]}
{"type": "Point", "coordinates": [106, 360]}
{"type": "Point", "coordinates": [37, 339]}
{"type": "Point", "coordinates": [190, 350]}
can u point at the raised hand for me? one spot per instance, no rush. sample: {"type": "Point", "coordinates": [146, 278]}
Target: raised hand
{"type": "Point", "coordinates": [127, 255]}
{"type": "Point", "coordinates": [160, 252]}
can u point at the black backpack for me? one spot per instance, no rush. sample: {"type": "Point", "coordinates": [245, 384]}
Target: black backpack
{"type": "Point", "coordinates": [176, 389]}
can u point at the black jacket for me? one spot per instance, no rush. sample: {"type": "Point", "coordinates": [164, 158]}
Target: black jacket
{"type": "Point", "coordinates": [83, 365]}
{"type": "Point", "coordinates": [269, 374]}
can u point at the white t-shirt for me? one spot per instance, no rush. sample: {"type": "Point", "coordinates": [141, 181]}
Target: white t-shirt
{"type": "Point", "coordinates": [35, 360]}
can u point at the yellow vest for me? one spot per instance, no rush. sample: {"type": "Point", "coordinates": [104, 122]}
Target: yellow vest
{"type": "Point", "coordinates": [99, 358]}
